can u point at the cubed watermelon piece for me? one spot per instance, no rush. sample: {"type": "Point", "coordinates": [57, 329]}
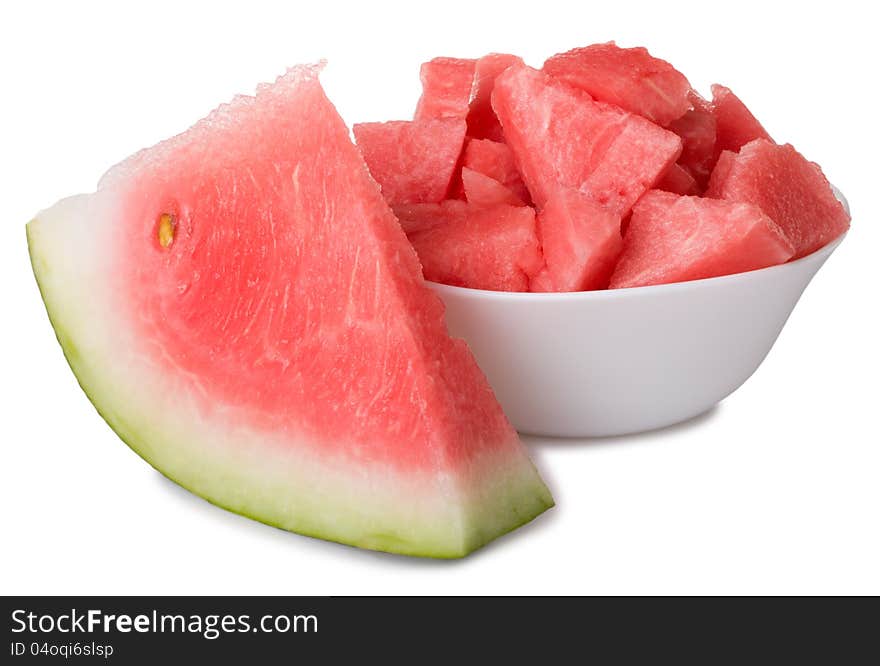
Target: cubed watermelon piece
{"type": "Point", "coordinates": [481, 189]}
{"type": "Point", "coordinates": [447, 84]}
{"type": "Point", "coordinates": [736, 126]}
{"type": "Point", "coordinates": [413, 161]}
{"type": "Point", "coordinates": [581, 242]}
{"type": "Point", "coordinates": [674, 238]}
{"type": "Point", "coordinates": [485, 247]}
{"type": "Point", "coordinates": [421, 216]}
{"type": "Point", "coordinates": [482, 122]}
{"type": "Point", "coordinates": [495, 159]}
{"type": "Point", "coordinates": [630, 78]}
{"type": "Point", "coordinates": [678, 180]}
{"type": "Point", "coordinates": [697, 129]}
{"type": "Point", "coordinates": [562, 139]}
{"type": "Point", "coordinates": [790, 189]}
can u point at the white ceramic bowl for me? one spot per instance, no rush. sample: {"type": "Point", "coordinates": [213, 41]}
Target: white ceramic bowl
{"type": "Point", "coordinates": [603, 363]}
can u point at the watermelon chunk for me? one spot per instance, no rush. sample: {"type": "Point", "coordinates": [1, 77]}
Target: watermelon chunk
{"type": "Point", "coordinates": [480, 189]}
{"type": "Point", "coordinates": [678, 180]}
{"type": "Point", "coordinates": [482, 121]}
{"type": "Point", "coordinates": [446, 88]}
{"type": "Point", "coordinates": [630, 78]}
{"type": "Point", "coordinates": [494, 247]}
{"type": "Point", "coordinates": [413, 162]}
{"type": "Point", "coordinates": [673, 238]}
{"type": "Point", "coordinates": [581, 242]}
{"type": "Point", "coordinates": [241, 306]}
{"type": "Point", "coordinates": [790, 189]}
{"type": "Point", "coordinates": [697, 129]}
{"type": "Point", "coordinates": [562, 139]}
{"type": "Point", "coordinates": [736, 124]}
{"type": "Point", "coordinates": [495, 160]}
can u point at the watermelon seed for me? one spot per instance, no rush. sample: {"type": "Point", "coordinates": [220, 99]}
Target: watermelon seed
{"type": "Point", "coordinates": [167, 226]}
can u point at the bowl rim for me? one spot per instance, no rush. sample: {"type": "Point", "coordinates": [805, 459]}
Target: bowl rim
{"type": "Point", "coordinates": [548, 297]}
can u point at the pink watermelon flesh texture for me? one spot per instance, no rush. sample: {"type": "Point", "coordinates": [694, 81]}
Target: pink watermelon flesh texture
{"type": "Point", "coordinates": [495, 159]}
{"type": "Point", "coordinates": [485, 247]}
{"type": "Point", "coordinates": [697, 129]}
{"type": "Point", "coordinates": [674, 238]}
{"type": "Point", "coordinates": [736, 126]}
{"type": "Point", "coordinates": [629, 78]}
{"type": "Point", "coordinates": [562, 139]}
{"type": "Point", "coordinates": [791, 190]}
{"type": "Point", "coordinates": [447, 84]}
{"type": "Point", "coordinates": [413, 161]}
{"type": "Point", "coordinates": [480, 189]}
{"type": "Point", "coordinates": [679, 180]}
{"type": "Point", "coordinates": [421, 216]}
{"type": "Point", "coordinates": [481, 119]}
{"type": "Point", "coordinates": [242, 307]}
{"type": "Point", "coordinates": [581, 242]}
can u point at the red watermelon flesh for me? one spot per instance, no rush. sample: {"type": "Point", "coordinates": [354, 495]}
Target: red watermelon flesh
{"type": "Point", "coordinates": [413, 162]}
{"type": "Point", "coordinates": [480, 189]}
{"type": "Point", "coordinates": [678, 180]}
{"type": "Point", "coordinates": [632, 79]}
{"type": "Point", "coordinates": [495, 159]}
{"type": "Point", "coordinates": [482, 121]}
{"type": "Point", "coordinates": [697, 129]}
{"type": "Point", "coordinates": [242, 307]}
{"type": "Point", "coordinates": [581, 242]}
{"type": "Point", "coordinates": [487, 247]}
{"type": "Point", "coordinates": [672, 238]}
{"type": "Point", "coordinates": [790, 189]}
{"type": "Point", "coordinates": [562, 139]}
{"type": "Point", "coordinates": [417, 217]}
{"type": "Point", "coordinates": [736, 124]}
{"type": "Point", "coordinates": [447, 84]}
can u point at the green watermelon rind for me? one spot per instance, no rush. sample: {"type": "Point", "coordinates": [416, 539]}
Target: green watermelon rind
{"type": "Point", "coordinates": [509, 499]}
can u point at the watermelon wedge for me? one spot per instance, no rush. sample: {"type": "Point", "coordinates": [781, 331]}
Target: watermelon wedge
{"type": "Point", "coordinates": [629, 78]}
{"type": "Point", "coordinates": [736, 126]}
{"type": "Point", "coordinates": [242, 307]}
{"type": "Point", "coordinates": [562, 139]}
{"type": "Point", "coordinates": [413, 161]}
{"type": "Point", "coordinates": [678, 180]}
{"type": "Point", "coordinates": [672, 238]}
{"type": "Point", "coordinates": [482, 121]}
{"type": "Point", "coordinates": [480, 189]}
{"type": "Point", "coordinates": [481, 247]}
{"type": "Point", "coordinates": [581, 242]}
{"type": "Point", "coordinates": [791, 190]}
{"type": "Point", "coordinates": [446, 88]}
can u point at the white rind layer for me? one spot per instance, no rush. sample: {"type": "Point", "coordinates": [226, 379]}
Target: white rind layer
{"type": "Point", "coordinates": [273, 477]}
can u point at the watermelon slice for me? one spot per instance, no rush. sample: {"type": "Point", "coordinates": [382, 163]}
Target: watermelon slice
{"type": "Point", "coordinates": [482, 121]}
{"type": "Point", "coordinates": [697, 129]}
{"type": "Point", "coordinates": [480, 189]}
{"type": "Point", "coordinates": [446, 88]}
{"type": "Point", "coordinates": [483, 247]}
{"type": "Point", "coordinates": [241, 306]}
{"type": "Point", "coordinates": [674, 239]}
{"type": "Point", "coordinates": [678, 180]}
{"type": "Point", "coordinates": [790, 189]}
{"type": "Point", "coordinates": [562, 139]}
{"type": "Point", "coordinates": [736, 124]}
{"type": "Point", "coordinates": [630, 78]}
{"type": "Point", "coordinates": [495, 160]}
{"type": "Point", "coordinates": [581, 242]}
{"type": "Point", "coordinates": [412, 161]}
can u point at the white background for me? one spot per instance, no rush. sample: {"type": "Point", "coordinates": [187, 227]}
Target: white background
{"type": "Point", "coordinates": [775, 491]}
